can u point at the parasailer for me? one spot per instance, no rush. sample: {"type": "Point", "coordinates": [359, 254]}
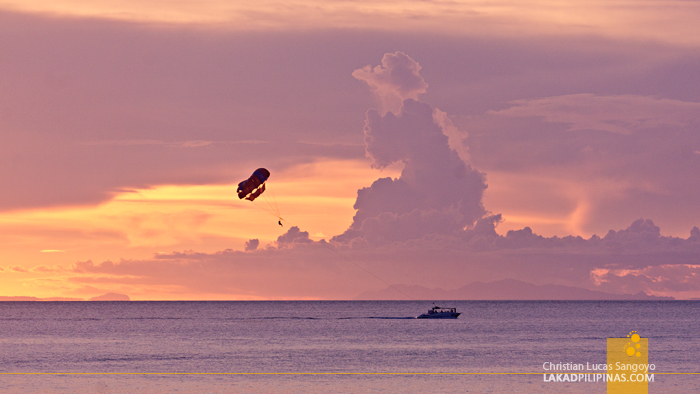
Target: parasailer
{"type": "Point", "coordinates": [254, 186]}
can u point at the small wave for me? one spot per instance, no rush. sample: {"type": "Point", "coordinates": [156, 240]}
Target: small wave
{"type": "Point", "coordinates": [141, 358]}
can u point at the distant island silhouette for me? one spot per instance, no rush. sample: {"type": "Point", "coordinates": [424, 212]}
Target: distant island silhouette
{"type": "Point", "coordinates": [502, 290]}
{"type": "Point", "coordinates": [111, 297]}
{"type": "Point", "coordinates": [103, 297]}
{"type": "Point", "coordinates": [27, 298]}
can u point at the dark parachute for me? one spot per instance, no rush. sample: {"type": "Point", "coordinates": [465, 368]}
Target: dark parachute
{"type": "Point", "coordinates": [254, 186]}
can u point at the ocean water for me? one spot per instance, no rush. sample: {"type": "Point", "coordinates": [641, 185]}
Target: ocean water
{"type": "Point", "coordinates": [332, 347]}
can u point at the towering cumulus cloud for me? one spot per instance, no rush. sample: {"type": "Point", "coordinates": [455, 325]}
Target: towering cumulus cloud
{"type": "Point", "coordinates": [437, 192]}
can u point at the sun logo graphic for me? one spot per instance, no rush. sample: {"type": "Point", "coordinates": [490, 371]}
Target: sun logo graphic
{"type": "Point", "coordinates": [633, 348]}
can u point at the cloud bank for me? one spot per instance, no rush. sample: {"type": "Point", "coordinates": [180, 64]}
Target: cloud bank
{"type": "Point", "coordinates": [626, 261]}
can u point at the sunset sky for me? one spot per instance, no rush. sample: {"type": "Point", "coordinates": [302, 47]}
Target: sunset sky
{"type": "Point", "coordinates": [433, 143]}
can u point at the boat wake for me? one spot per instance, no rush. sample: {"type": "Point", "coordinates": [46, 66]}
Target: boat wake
{"type": "Point", "coordinates": [328, 318]}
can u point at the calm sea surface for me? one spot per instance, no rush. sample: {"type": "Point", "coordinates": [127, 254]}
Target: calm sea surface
{"type": "Point", "coordinates": [332, 337]}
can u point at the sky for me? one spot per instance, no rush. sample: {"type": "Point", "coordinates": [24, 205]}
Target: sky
{"type": "Point", "coordinates": [421, 143]}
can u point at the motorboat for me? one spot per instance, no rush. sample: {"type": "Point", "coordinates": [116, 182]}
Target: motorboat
{"type": "Point", "coordinates": [440, 313]}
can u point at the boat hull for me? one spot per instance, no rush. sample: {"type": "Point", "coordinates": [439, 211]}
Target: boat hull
{"type": "Point", "coordinates": [444, 315]}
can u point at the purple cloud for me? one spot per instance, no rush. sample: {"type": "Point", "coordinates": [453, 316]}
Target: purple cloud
{"type": "Point", "coordinates": [293, 236]}
{"type": "Point", "coordinates": [396, 80]}
{"type": "Point", "coordinates": [623, 114]}
{"type": "Point", "coordinates": [251, 244]}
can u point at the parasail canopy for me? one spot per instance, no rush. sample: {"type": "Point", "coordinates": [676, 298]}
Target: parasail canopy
{"type": "Point", "coordinates": [254, 186]}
